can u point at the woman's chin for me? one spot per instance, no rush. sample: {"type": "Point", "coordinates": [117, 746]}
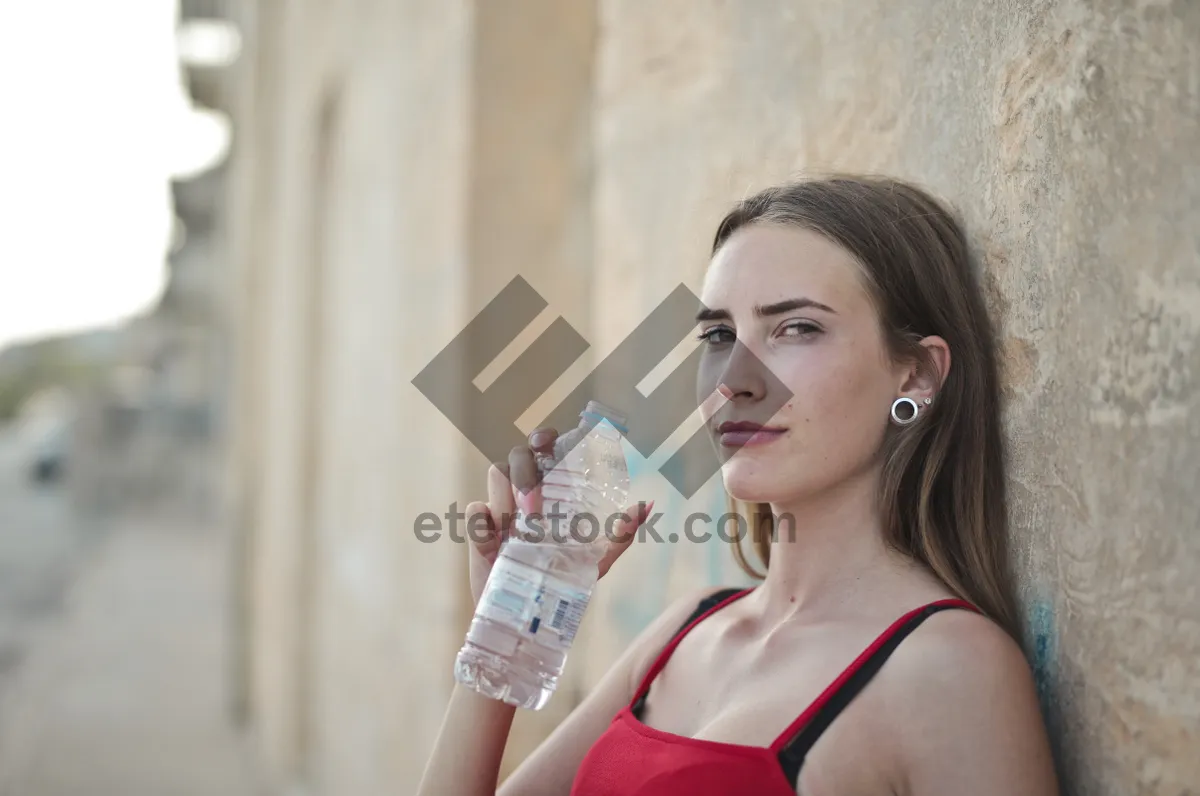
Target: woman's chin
{"type": "Point", "coordinates": [748, 485]}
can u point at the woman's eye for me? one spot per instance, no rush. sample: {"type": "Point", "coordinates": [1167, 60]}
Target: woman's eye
{"type": "Point", "coordinates": [799, 329]}
{"type": "Point", "coordinates": [717, 334]}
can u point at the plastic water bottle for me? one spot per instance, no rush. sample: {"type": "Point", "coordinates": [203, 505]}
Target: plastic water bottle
{"type": "Point", "coordinates": [544, 574]}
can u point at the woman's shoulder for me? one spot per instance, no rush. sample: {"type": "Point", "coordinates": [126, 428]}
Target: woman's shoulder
{"type": "Point", "coordinates": [959, 646]}
{"type": "Point", "coordinates": [694, 602]}
{"type": "Point", "coordinates": [964, 693]}
{"type": "Point", "coordinates": [685, 605]}
{"type": "Point", "coordinates": [962, 652]}
{"type": "Point", "coordinates": [659, 632]}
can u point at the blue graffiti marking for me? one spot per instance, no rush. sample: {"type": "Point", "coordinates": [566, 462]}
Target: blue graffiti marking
{"type": "Point", "coordinates": [1045, 647]}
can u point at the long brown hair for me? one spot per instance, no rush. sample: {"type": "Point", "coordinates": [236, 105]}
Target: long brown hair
{"type": "Point", "coordinates": [942, 491]}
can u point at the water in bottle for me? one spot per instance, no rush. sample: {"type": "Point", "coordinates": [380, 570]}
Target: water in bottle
{"type": "Point", "coordinates": [543, 577]}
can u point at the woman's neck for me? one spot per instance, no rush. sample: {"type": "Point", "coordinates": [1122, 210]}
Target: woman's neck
{"type": "Point", "coordinates": [828, 552]}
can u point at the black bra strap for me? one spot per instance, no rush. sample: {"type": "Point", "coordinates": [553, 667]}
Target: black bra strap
{"type": "Point", "coordinates": [707, 604]}
{"type": "Point", "coordinates": [791, 757]}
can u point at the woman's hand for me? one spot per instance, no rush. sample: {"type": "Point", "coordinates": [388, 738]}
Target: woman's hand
{"type": "Point", "coordinates": [515, 484]}
{"type": "Point", "coordinates": [466, 755]}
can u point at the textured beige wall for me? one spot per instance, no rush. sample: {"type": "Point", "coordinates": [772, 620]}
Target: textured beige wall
{"type": "Point", "coordinates": [1068, 135]}
{"type": "Point", "coordinates": [393, 255]}
{"type": "Point", "coordinates": [398, 163]}
{"type": "Point", "coordinates": [354, 257]}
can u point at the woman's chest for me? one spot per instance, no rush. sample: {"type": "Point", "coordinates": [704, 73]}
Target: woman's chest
{"type": "Point", "coordinates": [767, 701]}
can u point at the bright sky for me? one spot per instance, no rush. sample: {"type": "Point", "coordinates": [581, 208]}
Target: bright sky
{"type": "Point", "coordinates": [94, 122]}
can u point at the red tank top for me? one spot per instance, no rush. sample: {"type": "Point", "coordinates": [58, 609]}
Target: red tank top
{"type": "Point", "coordinates": [633, 759]}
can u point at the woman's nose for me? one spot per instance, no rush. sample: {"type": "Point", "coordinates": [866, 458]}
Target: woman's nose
{"type": "Point", "coordinates": [745, 375]}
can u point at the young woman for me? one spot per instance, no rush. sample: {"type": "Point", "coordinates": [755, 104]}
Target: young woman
{"type": "Point", "coordinates": [879, 653]}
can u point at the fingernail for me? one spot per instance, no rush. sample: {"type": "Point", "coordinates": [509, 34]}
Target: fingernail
{"type": "Point", "coordinates": [539, 438]}
{"type": "Point", "coordinates": [645, 512]}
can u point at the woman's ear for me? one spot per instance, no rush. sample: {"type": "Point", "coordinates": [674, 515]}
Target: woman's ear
{"type": "Point", "coordinates": [924, 378]}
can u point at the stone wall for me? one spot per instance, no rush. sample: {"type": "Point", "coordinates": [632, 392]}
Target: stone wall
{"type": "Point", "coordinates": [1067, 133]}
{"type": "Point", "coordinates": [396, 164]}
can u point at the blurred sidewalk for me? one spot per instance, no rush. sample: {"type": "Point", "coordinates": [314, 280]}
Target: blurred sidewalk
{"type": "Point", "coordinates": [124, 693]}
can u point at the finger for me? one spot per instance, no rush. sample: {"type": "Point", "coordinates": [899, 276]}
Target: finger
{"type": "Point", "coordinates": [500, 497]}
{"type": "Point", "coordinates": [624, 533]}
{"type": "Point", "coordinates": [542, 440]}
{"type": "Point", "coordinates": [523, 472]}
{"type": "Point", "coordinates": [482, 530]}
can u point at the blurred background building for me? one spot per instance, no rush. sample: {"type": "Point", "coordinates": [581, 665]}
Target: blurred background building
{"type": "Point", "coordinates": [394, 165]}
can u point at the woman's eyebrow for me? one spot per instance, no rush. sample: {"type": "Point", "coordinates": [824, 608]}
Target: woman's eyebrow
{"type": "Point", "coordinates": [765, 310]}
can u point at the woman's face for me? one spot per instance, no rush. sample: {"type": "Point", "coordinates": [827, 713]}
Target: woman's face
{"type": "Point", "coordinates": [791, 339]}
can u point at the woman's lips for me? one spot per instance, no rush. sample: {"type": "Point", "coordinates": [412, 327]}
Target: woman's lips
{"type": "Point", "coordinates": [742, 439]}
{"type": "Point", "coordinates": [742, 435]}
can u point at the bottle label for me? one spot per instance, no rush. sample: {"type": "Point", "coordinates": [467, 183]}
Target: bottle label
{"type": "Point", "coordinates": [535, 604]}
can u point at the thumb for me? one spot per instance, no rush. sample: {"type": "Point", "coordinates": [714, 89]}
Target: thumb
{"type": "Point", "coordinates": [624, 533]}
